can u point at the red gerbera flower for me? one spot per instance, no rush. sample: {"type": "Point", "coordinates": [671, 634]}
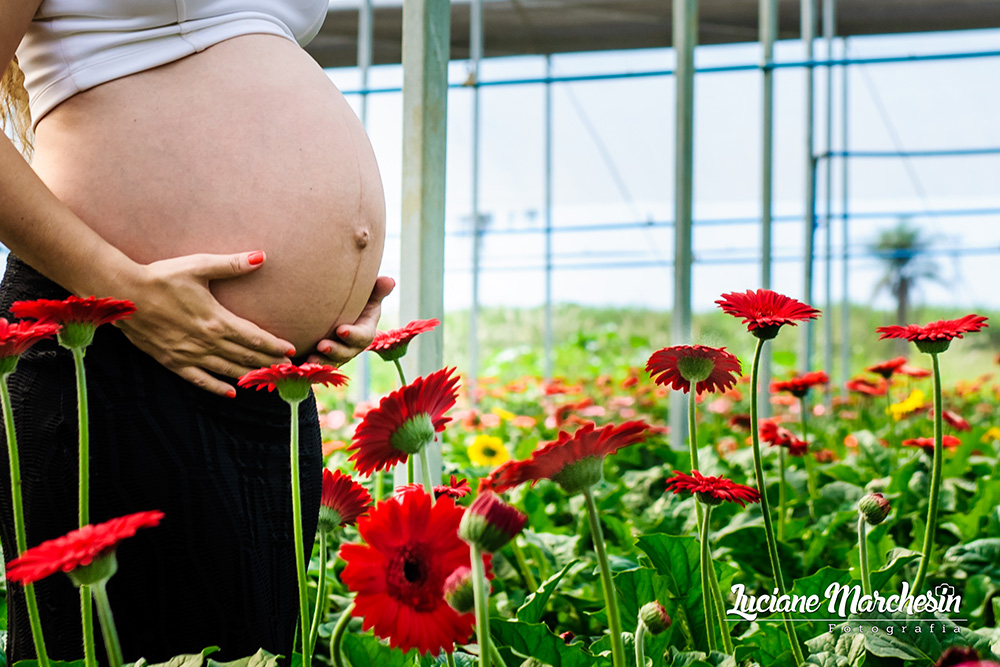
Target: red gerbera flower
{"type": "Point", "coordinates": [764, 311]}
{"type": "Point", "coordinates": [712, 490]}
{"type": "Point", "coordinates": [935, 337]}
{"type": "Point", "coordinates": [953, 419]}
{"type": "Point", "coordinates": [914, 371]}
{"type": "Point", "coordinates": [927, 444]}
{"type": "Point", "coordinates": [887, 368]}
{"type": "Point", "coordinates": [77, 548]}
{"type": "Point", "coordinates": [773, 434]}
{"type": "Point", "coordinates": [711, 368]}
{"type": "Point", "coordinates": [490, 523]}
{"type": "Point", "coordinates": [454, 489]}
{"type": "Point", "coordinates": [866, 386]}
{"type": "Point", "coordinates": [79, 317]}
{"type": "Point", "coordinates": [411, 547]}
{"type": "Point", "coordinates": [342, 502]}
{"type": "Point", "coordinates": [404, 422]}
{"type": "Point", "coordinates": [740, 421]}
{"type": "Point", "coordinates": [799, 386]}
{"type": "Point", "coordinates": [291, 381]}
{"type": "Point", "coordinates": [573, 461]}
{"type": "Point", "coordinates": [18, 337]}
{"type": "Point", "coordinates": [392, 344]}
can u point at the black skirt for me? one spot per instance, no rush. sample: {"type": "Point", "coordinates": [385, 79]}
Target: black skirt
{"type": "Point", "coordinates": [219, 570]}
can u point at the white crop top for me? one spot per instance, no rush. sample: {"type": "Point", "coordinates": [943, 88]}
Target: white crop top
{"type": "Point", "coordinates": [73, 45]}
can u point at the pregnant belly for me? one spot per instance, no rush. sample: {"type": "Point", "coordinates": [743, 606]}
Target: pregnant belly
{"type": "Point", "coordinates": [245, 146]}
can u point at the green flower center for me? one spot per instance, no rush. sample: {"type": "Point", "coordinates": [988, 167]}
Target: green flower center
{"type": "Point", "coordinates": [293, 390]}
{"type": "Point", "coordinates": [695, 369]}
{"type": "Point", "coordinates": [413, 434]}
{"type": "Point", "coordinates": [100, 569]}
{"type": "Point", "coordinates": [932, 346]}
{"type": "Point", "coordinates": [581, 475]}
{"type": "Point", "coordinates": [76, 334]}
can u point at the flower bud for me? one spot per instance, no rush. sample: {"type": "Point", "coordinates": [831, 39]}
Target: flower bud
{"type": "Point", "coordinates": [490, 523]}
{"type": "Point", "coordinates": [654, 616]}
{"type": "Point", "coordinates": [874, 508]}
{"type": "Point", "coordinates": [459, 591]}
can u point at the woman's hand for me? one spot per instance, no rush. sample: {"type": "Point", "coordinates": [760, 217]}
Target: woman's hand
{"type": "Point", "coordinates": [179, 322]}
{"type": "Point", "coordinates": [354, 338]}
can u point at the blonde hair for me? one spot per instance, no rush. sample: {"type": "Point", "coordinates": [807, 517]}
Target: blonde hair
{"type": "Point", "coordinates": [14, 108]}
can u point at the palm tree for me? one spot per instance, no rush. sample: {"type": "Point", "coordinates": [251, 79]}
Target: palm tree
{"type": "Point", "coordinates": [900, 248]}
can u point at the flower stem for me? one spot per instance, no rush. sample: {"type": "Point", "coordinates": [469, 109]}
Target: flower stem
{"type": "Point", "coordinates": [320, 593]}
{"type": "Point", "coordinates": [425, 461]}
{"type": "Point", "coordinates": [932, 504]}
{"type": "Point", "coordinates": [640, 644]}
{"type": "Point", "coordinates": [706, 590]}
{"type": "Point", "coordinates": [497, 658]}
{"type": "Point", "coordinates": [522, 564]}
{"type": "Point", "coordinates": [377, 495]}
{"type": "Point", "coordinates": [772, 548]}
{"type": "Point", "coordinates": [300, 564]}
{"type": "Point", "coordinates": [337, 639]}
{"type": "Point", "coordinates": [111, 644]}
{"type": "Point", "coordinates": [18, 509]}
{"type": "Point", "coordinates": [399, 370]}
{"type": "Point", "coordinates": [782, 495]}
{"type": "Point", "coordinates": [720, 610]}
{"type": "Point", "coordinates": [83, 415]}
{"type": "Point", "coordinates": [807, 457]}
{"type": "Point", "coordinates": [482, 601]}
{"type": "Point", "coordinates": [866, 580]}
{"type": "Point", "coordinates": [449, 658]}
{"type": "Point", "coordinates": [410, 476]}
{"type": "Point", "coordinates": [610, 595]}
{"type": "Point", "coordinates": [692, 432]}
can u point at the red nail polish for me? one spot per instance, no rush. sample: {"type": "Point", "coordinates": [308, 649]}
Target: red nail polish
{"type": "Point", "coordinates": [290, 352]}
{"type": "Point", "coordinates": [231, 393]}
{"type": "Point", "coordinates": [255, 258]}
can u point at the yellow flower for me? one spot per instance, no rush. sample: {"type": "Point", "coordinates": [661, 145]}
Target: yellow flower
{"type": "Point", "coordinates": [505, 415]}
{"type": "Point", "coordinates": [913, 402]}
{"type": "Point", "coordinates": [992, 433]}
{"type": "Point", "coordinates": [488, 450]}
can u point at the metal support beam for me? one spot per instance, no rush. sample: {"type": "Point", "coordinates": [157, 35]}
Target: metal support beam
{"type": "Point", "coordinates": [475, 54]}
{"type": "Point", "coordinates": [362, 381]}
{"type": "Point", "coordinates": [548, 218]}
{"type": "Point", "coordinates": [685, 39]}
{"type": "Point", "coordinates": [808, 27]}
{"type": "Point", "coordinates": [768, 29]}
{"type": "Point", "coordinates": [845, 315]}
{"type": "Point", "coordinates": [829, 28]}
{"type": "Point", "coordinates": [426, 32]}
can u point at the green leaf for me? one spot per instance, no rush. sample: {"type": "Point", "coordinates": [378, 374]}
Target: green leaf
{"type": "Point", "coordinates": [366, 649]}
{"type": "Point", "coordinates": [987, 499]}
{"type": "Point", "coordinates": [926, 645]}
{"type": "Point", "coordinates": [54, 663]}
{"type": "Point", "coordinates": [699, 659]}
{"type": "Point", "coordinates": [534, 606]}
{"type": "Point", "coordinates": [826, 659]}
{"type": "Point", "coordinates": [259, 659]}
{"type": "Point", "coordinates": [537, 641]}
{"type": "Point", "coordinates": [187, 660]}
{"type": "Point", "coordinates": [896, 560]}
{"type": "Point", "coordinates": [977, 557]}
{"type": "Point", "coordinates": [636, 588]}
{"type": "Point", "coordinates": [677, 560]}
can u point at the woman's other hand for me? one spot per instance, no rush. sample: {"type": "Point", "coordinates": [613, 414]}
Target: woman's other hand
{"type": "Point", "coordinates": [354, 338]}
{"type": "Point", "coordinates": [179, 322]}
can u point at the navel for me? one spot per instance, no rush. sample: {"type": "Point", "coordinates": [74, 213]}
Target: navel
{"type": "Point", "coordinates": [361, 237]}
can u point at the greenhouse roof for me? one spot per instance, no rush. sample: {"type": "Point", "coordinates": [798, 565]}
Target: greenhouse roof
{"type": "Point", "coordinates": [533, 27]}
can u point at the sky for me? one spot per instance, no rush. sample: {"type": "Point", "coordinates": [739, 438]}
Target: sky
{"type": "Point", "coordinates": [613, 163]}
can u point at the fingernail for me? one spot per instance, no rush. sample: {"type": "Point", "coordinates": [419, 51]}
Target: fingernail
{"type": "Point", "coordinates": [255, 258]}
{"type": "Point", "coordinates": [290, 352]}
{"type": "Point", "coordinates": [324, 349]}
{"type": "Point", "coordinates": [231, 393]}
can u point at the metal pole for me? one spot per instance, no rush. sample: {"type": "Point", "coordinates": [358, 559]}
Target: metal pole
{"type": "Point", "coordinates": [829, 26]}
{"type": "Point", "coordinates": [768, 29]}
{"type": "Point", "coordinates": [685, 37]}
{"type": "Point", "coordinates": [548, 218]}
{"type": "Point", "coordinates": [808, 29]}
{"type": "Point", "coordinates": [475, 53]}
{"type": "Point", "coordinates": [845, 315]}
{"type": "Point", "coordinates": [426, 38]}
{"type": "Point", "coordinates": [365, 27]}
